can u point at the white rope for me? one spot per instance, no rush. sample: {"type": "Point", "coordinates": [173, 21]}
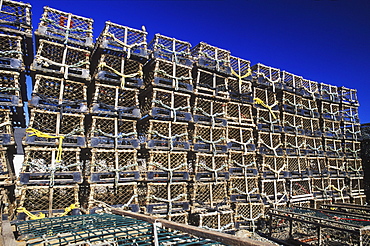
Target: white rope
{"type": "Point", "coordinates": [170, 170]}
{"type": "Point", "coordinates": [271, 148]}
{"type": "Point", "coordinates": [174, 78]}
{"type": "Point", "coordinates": [172, 138]}
{"type": "Point", "coordinates": [242, 144]}
{"type": "Point", "coordinates": [273, 82]}
{"type": "Point", "coordinates": [170, 108]}
{"type": "Point", "coordinates": [212, 116]}
{"type": "Point", "coordinates": [277, 172]}
{"type": "Point", "coordinates": [129, 47]}
{"type": "Point", "coordinates": [213, 143]}
{"type": "Point", "coordinates": [202, 165]}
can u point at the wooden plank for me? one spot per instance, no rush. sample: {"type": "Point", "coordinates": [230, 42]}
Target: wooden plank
{"type": "Point", "coordinates": [7, 234]}
{"type": "Point", "coordinates": [196, 231]}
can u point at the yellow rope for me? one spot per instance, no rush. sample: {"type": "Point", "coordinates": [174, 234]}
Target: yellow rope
{"type": "Point", "coordinates": [123, 76]}
{"type": "Point", "coordinates": [40, 134]}
{"type": "Point", "coordinates": [249, 72]}
{"type": "Point", "coordinates": [260, 102]}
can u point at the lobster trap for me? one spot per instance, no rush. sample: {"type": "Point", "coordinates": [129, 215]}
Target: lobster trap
{"type": "Point", "coordinates": [169, 75]}
{"type": "Point", "coordinates": [240, 139]}
{"type": "Point", "coordinates": [209, 139]}
{"type": "Point", "coordinates": [269, 143]}
{"type": "Point", "coordinates": [242, 164]}
{"type": "Point", "coordinates": [167, 105]}
{"type": "Point", "coordinates": [6, 173]}
{"type": "Point", "coordinates": [171, 49]}
{"type": "Point", "coordinates": [113, 166]}
{"type": "Point", "coordinates": [309, 89]}
{"type": "Point", "coordinates": [329, 93]}
{"type": "Point", "coordinates": [58, 59]}
{"type": "Point", "coordinates": [300, 189]}
{"type": "Point", "coordinates": [239, 114]}
{"type": "Point", "coordinates": [221, 221]}
{"type": "Point", "coordinates": [309, 108]}
{"type": "Point", "coordinates": [166, 198]}
{"type": "Point", "coordinates": [210, 84]}
{"type": "Point", "coordinates": [294, 144]}
{"type": "Point", "coordinates": [112, 133]}
{"type": "Point", "coordinates": [273, 191]}
{"type": "Point", "coordinates": [351, 131]}
{"type": "Point", "coordinates": [317, 166]}
{"type": "Point", "coordinates": [51, 201]}
{"type": "Point", "coordinates": [122, 195]}
{"type": "Point", "coordinates": [6, 129]}
{"type": "Point", "coordinates": [311, 127]}
{"type": "Point", "coordinates": [115, 101]}
{"type": "Point", "coordinates": [165, 135]}
{"type": "Point", "coordinates": [180, 217]}
{"type": "Point", "coordinates": [272, 166]}
{"type": "Point", "coordinates": [359, 200]}
{"type": "Point", "coordinates": [348, 96]}
{"type": "Point", "coordinates": [16, 17]}
{"type": "Point", "coordinates": [267, 97]}
{"type": "Point", "coordinates": [208, 195]}
{"type": "Point", "coordinates": [123, 39]}
{"type": "Point", "coordinates": [11, 55]}
{"type": "Point", "coordinates": [211, 167]}
{"type": "Point", "coordinates": [51, 93]}
{"type": "Point", "coordinates": [66, 28]}
{"type": "Point", "coordinates": [349, 113]}
{"type": "Point", "coordinates": [351, 148]}
{"type": "Point", "coordinates": [210, 112]}
{"type": "Point", "coordinates": [330, 111]}
{"type": "Point", "coordinates": [353, 166]}
{"type": "Point", "coordinates": [356, 186]}
{"type": "Point", "coordinates": [336, 167]}
{"type": "Point", "coordinates": [247, 215]}
{"type": "Point", "coordinates": [297, 166]}
{"type": "Point", "coordinates": [211, 57]}
{"type": "Point", "coordinates": [314, 146]}
{"type": "Point", "coordinates": [45, 165]}
{"type": "Point", "coordinates": [244, 189]}
{"type": "Point", "coordinates": [331, 129]}
{"type": "Point", "coordinates": [268, 120]}
{"type": "Point", "coordinates": [167, 166]}
{"type": "Point", "coordinates": [67, 125]}
{"type": "Point", "coordinates": [290, 82]}
{"type": "Point", "coordinates": [333, 147]}
{"type": "Point", "coordinates": [267, 76]}
{"type": "Point", "coordinates": [240, 88]}
{"type": "Point", "coordinates": [116, 69]}
{"type": "Point", "coordinates": [10, 89]}
{"type": "Point", "coordinates": [291, 102]}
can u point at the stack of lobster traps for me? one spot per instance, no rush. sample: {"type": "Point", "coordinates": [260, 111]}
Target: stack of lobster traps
{"type": "Point", "coordinates": [112, 169]}
{"type": "Point", "coordinates": [52, 167]}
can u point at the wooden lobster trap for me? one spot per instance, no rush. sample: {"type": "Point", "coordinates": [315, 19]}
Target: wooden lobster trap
{"type": "Point", "coordinates": [167, 166]}
{"type": "Point", "coordinates": [336, 167]}
{"type": "Point", "coordinates": [11, 54]}
{"type": "Point", "coordinates": [166, 198]}
{"type": "Point", "coordinates": [67, 125]}
{"type": "Point", "coordinates": [115, 101]}
{"type": "Point", "coordinates": [179, 217]}
{"type": "Point", "coordinates": [339, 189]}
{"type": "Point", "coordinates": [317, 166]}
{"type": "Point", "coordinates": [290, 82]}
{"type": "Point", "coordinates": [269, 143]}
{"type": "Point", "coordinates": [221, 221]}
{"type": "Point", "coordinates": [292, 124]}
{"type": "Point", "coordinates": [239, 114]}
{"type": "Point", "coordinates": [6, 129]}
{"type": "Point", "coordinates": [113, 166]}
{"type": "Point", "coordinates": [58, 59]}
{"type": "Point", "coordinates": [211, 57]}
{"type": "Point", "coordinates": [309, 108]}
{"type": "Point", "coordinates": [349, 113]}
{"type": "Point", "coordinates": [268, 98]}
{"type": "Point", "coordinates": [244, 189]}
{"type": "Point", "coordinates": [171, 49]}
{"type": "Point", "coordinates": [165, 135]}
{"type": "Point", "coordinates": [168, 75]}
{"type": "Point", "coordinates": [356, 186]}
{"type": "Point", "coordinates": [300, 189]}
{"type": "Point", "coordinates": [351, 131]}
{"type": "Point", "coordinates": [242, 164]}
{"type": "Point", "coordinates": [294, 144]}
{"type": "Point", "coordinates": [210, 84]}
{"type": "Point", "coordinates": [209, 139]}
{"type": "Point", "coordinates": [272, 166]}
{"type": "Point", "coordinates": [311, 127]}
{"type": "Point", "coordinates": [52, 166]}
{"type": "Point", "coordinates": [320, 187]}
{"type": "Point", "coordinates": [51, 93]}
{"type": "Point", "coordinates": [330, 111]}
{"type": "Point", "coordinates": [210, 112]}
{"type": "Point", "coordinates": [354, 166]}
{"type": "Point", "coordinates": [51, 201]}
{"type": "Point", "coordinates": [333, 147]}
{"type": "Point", "coordinates": [240, 86]}
{"type": "Point", "coordinates": [166, 105]}
{"type": "Point", "coordinates": [240, 139]}
{"type": "Point", "coordinates": [16, 17]}
{"type": "Point", "coordinates": [329, 93]}
{"type": "Point", "coordinates": [314, 146]}
{"type": "Point", "coordinates": [247, 215]}
{"type": "Point", "coordinates": [359, 200]}
{"type": "Point", "coordinates": [268, 121]}
{"type": "Point", "coordinates": [123, 39]}
{"type": "Point", "coordinates": [122, 195]}
{"type": "Point", "coordinates": [273, 192]}
{"type": "Point", "coordinates": [211, 167]}
{"type": "Point", "coordinates": [115, 69]}
{"type": "Point", "coordinates": [351, 148]}
{"type": "Point", "coordinates": [309, 89]}
{"type": "Point", "coordinates": [297, 166]}
{"type": "Point", "coordinates": [267, 76]}
{"type": "Point", "coordinates": [291, 102]}
{"type": "Point", "coordinates": [6, 172]}
{"type": "Point", "coordinates": [348, 96]}
{"type": "Point", "coordinates": [208, 195]}
{"type": "Point", "coordinates": [10, 88]}
{"type": "Point", "coordinates": [65, 28]}
{"type": "Point", "coordinates": [112, 133]}
{"type": "Point", "coordinates": [331, 129]}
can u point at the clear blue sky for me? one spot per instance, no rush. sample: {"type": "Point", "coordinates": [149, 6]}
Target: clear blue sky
{"type": "Point", "coordinates": [322, 40]}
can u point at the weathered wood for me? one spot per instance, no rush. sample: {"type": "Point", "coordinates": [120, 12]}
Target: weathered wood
{"type": "Point", "coordinates": [7, 234]}
{"type": "Point", "coordinates": [199, 232]}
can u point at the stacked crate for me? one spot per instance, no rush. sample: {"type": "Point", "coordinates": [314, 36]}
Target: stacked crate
{"type": "Point", "coordinates": [164, 128]}
{"type": "Point", "coordinates": [52, 167]}
{"type": "Point", "coordinates": [209, 157]}
{"type": "Point", "coordinates": [112, 167]}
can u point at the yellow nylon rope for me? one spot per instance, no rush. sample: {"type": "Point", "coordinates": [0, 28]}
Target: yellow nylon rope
{"type": "Point", "coordinates": [241, 76]}
{"type": "Point", "coordinates": [40, 134]}
{"type": "Point", "coordinates": [260, 102]}
{"type": "Point", "coordinates": [123, 76]}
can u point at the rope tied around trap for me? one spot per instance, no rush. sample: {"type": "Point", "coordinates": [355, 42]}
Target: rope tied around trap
{"type": "Point", "coordinates": [173, 110]}
{"type": "Point", "coordinates": [177, 79]}
{"type": "Point", "coordinates": [171, 138]}
{"type": "Point", "coordinates": [170, 170]}
{"type": "Point", "coordinates": [139, 73]}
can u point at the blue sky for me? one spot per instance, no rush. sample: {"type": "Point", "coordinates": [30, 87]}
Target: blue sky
{"type": "Point", "coordinates": [322, 40]}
